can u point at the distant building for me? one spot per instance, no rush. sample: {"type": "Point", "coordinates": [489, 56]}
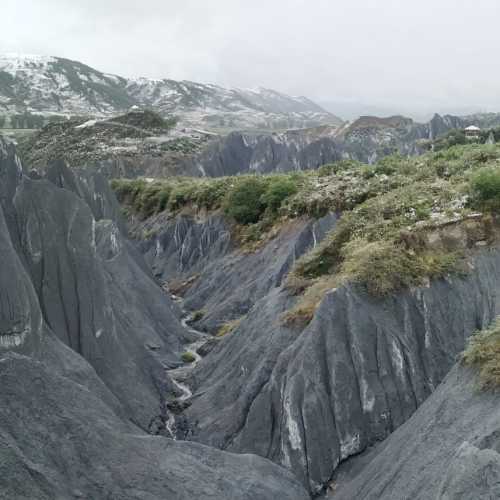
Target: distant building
{"type": "Point", "coordinates": [472, 132]}
{"type": "Point", "coordinates": [491, 138]}
{"type": "Point", "coordinates": [134, 108]}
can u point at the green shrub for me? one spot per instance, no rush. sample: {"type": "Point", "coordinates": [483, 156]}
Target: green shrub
{"type": "Point", "coordinates": [188, 357]}
{"type": "Point", "coordinates": [181, 195]}
{"type": "Point", "coordinates": [483, 352]}
{"type": "Point", "coordinates": [244, 202]}
{"type": "Point", "coordinates": [278, 190]}
{"type": "Point", "coordinates": [198, 315]}
{"type": "Point", "coordinates": [485, 187]}
{"type": "Point", "coordinates": [210, 194]}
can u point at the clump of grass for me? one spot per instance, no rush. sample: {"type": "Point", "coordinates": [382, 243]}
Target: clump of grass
{"type": "Point", "coordinates": [197, 315]}
{"type": "Point", "coordinates": [483, 352]}
{"type": "Point", "coordinates": [229, 327]}
{"type": "Point", "coordinates": [383, 267]}
{"type": "Point", "coordinates": [188, 357]}
{"type": "Point", "coordinates": [313, 292]}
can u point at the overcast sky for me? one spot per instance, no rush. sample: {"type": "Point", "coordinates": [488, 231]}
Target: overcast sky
{"type": "Point", "coordinates": [398, 54]}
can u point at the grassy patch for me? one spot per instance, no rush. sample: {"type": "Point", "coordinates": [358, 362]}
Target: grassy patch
{"type": "Point", "coordinates": [188, 357]}
{"type": "Point", "coordinates": [229, 327]}
{"type": "Point", "coordinates": [311, 294]}
{"type": "Point", "coordinates": [483, 352]}
{"type": "Point", "coordinates": [197, 315]}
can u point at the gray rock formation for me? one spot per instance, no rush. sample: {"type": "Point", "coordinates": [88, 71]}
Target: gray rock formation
{"type": "Point", "coordinates": [229, 281]}
{"type": "Point", "coordinates": [85, 337]}
{"type": "Point", "coordinates": [59, 440]}
{"type": "Point", "coordinates": [309, 400]}
{"type": "Point", "coordinates": [240, 153]}
{"type": "Point", "coordinates": [449, 449]}
{"type": "Point", "coordinates": [367, 139]}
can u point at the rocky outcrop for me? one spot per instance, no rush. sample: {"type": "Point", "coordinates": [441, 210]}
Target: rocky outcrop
{"type": "Point", "coordinates": [85, 337]}
{"type": "Point", "coordinates": [240, 153]}
{"type": "Point", "coordinates": [82, 286]}
{"type": "Point", "coordinates": [367, 140]}
{"type": "Point", "coordinates": [59, 440]}
{"type": "Point", "coordinates": [449, 449]}
{"type": "Point", "coordinates": [229, 279]}
{"type": "Point", "coordinates": [310, 399]}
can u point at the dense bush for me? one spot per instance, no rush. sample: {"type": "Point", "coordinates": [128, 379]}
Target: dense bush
{"type": "Point", "coordinates": [244, 202]}
{"type": "Point", "coordinates": [485, 186]}
{"type": "Point", "coordinates": [277, 190]}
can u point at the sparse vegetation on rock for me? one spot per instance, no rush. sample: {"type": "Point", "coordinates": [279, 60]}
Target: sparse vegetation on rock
{"type": "Point", "coordinates": [483, 352]}
{"type": "Point", "coordinates": [403, 220]}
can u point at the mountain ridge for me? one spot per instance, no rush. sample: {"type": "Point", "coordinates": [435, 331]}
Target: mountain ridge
{"type": "Point", "coordinates": [54, 85]}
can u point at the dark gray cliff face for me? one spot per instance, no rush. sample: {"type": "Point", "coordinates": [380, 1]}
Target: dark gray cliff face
{"type": "Point", "coordinates": [59, 440]}
{"type": "Point", "coordinates": [72, 295]}
{"type": "Point", "coordinates": [185, 245]}
{"type": "Point", "coordinates": [309, 400]}
{"type": "Point", "coordinates": [240, 153]}
{"type": "Point", "coordinates": [229, 280]}
{"type": "Point", "coordinates": [20, 316]}
{"type": "Point", "coordinates": [367, 140]}
{"type": "Point", "coordinates": [449, 449]}
{"type": "Point", "coordinates": [86, 297]}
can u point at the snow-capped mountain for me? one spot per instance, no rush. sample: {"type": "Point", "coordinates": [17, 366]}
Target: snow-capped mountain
{"type": "Point", "coordinates": [52, 85]}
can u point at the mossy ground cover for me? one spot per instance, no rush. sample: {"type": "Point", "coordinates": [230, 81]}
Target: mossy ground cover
{"type": "Point", "coordinates": [390, 213]}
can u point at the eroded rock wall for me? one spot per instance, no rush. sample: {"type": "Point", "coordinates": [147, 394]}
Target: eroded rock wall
{"type": "Point", "coordinates": [310, 399]}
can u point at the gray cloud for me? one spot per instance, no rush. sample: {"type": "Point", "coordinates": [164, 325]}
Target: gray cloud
{"type": "Point", "coordinates": [395, 54]}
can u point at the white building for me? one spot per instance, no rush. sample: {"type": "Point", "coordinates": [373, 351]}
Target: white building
{"type": "Point", "coordinates": [472, 132]}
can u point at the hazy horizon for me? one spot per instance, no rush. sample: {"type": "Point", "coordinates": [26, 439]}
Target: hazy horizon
{"type": "Point", "coordinates": [413, 59]}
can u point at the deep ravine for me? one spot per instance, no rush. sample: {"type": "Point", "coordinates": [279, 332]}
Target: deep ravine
{"type": "Point", "coordinates": [180, 375]}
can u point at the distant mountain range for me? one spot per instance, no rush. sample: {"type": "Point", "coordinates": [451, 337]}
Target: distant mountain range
{"type": "Point", "coordinates": [52, 85]}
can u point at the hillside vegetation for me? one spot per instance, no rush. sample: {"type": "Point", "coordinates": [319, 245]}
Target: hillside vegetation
{"type": "Point", "coordinates": [402, 222]}
{"type": "Point", "coordinates": [81, 141]}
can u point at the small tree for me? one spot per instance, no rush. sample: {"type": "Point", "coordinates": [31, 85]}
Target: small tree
{"type": "Point", "coordinates": [277, 191]}
{"type": "Point", "coordinates": [244, 201]}
{"type": "Point", "coordinates": [485, 186]}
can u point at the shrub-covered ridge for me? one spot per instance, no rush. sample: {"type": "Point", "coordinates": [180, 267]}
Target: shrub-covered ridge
{"type": "Point", "coordinates": [402, 222]}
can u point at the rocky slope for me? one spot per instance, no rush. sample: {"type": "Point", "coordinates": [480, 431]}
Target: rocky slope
{"type": "Point", "coordinates": [309, 399]}
{"type": "Point", "coordinates": [311, 395]}
{"type": "Point", "coordinates": [228, 280]}
{"type": "Point", "coordinates": [449, 449]}
{"type": "Point", "coordinates": [85, 337]}
{"type": "Point", "coordinates": [52, 85]}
